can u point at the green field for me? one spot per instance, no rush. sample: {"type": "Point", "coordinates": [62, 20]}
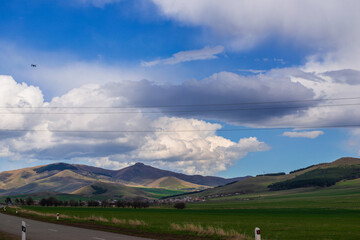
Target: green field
{"type": "Point", "coordinates": [317, 213]}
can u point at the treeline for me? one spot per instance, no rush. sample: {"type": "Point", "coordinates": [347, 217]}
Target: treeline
{"type": "Point", "coordinates": [28, 201]}
{"type": "Point", "coordinates": [322, 177]}
{"type": "Point", "coordinates": [271, 174]}
{"type": "Point", "coordinates": [133, 203]}
{"type": "Point", "coordinates": [53, 202]}
{"type": "Point", "coordinates": [301, 169]}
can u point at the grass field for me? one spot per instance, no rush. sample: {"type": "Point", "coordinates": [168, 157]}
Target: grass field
{"type": "Point", "coordinates": [329, 213]}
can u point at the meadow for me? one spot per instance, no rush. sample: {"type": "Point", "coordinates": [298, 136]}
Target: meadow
{"type": "Point", "coordinates": [316, 213]}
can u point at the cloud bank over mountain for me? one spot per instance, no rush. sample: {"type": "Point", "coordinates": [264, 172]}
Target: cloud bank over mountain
{"type": "Point", "coordinates": [116, 123]}
{"type": "Point", "coordinates": [71, 127]}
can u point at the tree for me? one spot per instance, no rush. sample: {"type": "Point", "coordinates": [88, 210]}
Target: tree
{"type": "Point", "coordinates": [179, 205]}
{"type": "Point", "coordinates": [139, 202]}
{"type": "Point", "coordinates": [51, 201]}
{"type": "Point", "coordinates": [8, 200]}
{"type": "Point", "coordinates": [73, 203]}
{"type": "Point", "coordinates": [43, 202]}
{"type": "Point", "coordinates": [29, 201]}
{"type": "Point", "coordinates": [120, 203]}
{"type": "Point", "coordinates": [105, 203]}
{"type": "Point", "coordinates": [93, 203]}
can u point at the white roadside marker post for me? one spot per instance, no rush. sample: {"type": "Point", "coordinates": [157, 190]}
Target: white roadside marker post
{"type": "Point", "coordinates": [257, 234]}
{"type": "Point", "coordinates": [23, 231]}
{"type": "Point", "coordinates": [57, 216]}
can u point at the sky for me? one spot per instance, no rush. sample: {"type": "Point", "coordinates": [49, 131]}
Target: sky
{"type": "Point", "coordinates": [226, 88]}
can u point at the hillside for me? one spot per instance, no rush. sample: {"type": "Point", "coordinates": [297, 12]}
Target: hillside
{"type": "Point", "coordinates": [64, 182]}
{"type": "Point", "coordinates": [142, 180]}
{"type": "Point", "coordinates": [69, 178]}
{"type": "Point", "coordinates": [174, 184]}
{"type": "Point", "coordinates": [144, 174]}
{"type": "Point", "coordinates": [320, 175]}
{"type": "Point", "coordinates": [100, 190]}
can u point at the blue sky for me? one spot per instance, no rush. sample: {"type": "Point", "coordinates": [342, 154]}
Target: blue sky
{"type": "Point", "coordinates": [199, 64]}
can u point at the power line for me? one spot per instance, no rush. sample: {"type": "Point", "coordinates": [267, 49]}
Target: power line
{"type": "Point", "coordinates": [183, 130]}
{"type": "Point", "coordinates": [182, 105]}
{"type": "Point", "coordinates": [177, 111]}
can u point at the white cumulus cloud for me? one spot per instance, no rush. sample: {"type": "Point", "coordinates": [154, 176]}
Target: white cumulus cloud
{"type": "Point", "coordinates": [195, 151]}
{"type": "Point", "coordinates": [303, 134]}
{"type": "Point", "coordinates": [186, 56]}
{"type": "Point", "coordinates": [72, 127]}
{"type": "Point", "coordinates": [183, 141]}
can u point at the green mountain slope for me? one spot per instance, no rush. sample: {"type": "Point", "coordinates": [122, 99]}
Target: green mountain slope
{"type": "Point", "coordinates": [174, 183]}
{"type": "Point", "coordinates": [101, 190]}
{"type": "Point", "coordinates": [321, 177]}
{"type": "Point", "coordinates": [328, 173]}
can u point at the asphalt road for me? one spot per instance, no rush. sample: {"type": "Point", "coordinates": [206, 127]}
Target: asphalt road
{"type": "Point", "coordinates": [36, 230]}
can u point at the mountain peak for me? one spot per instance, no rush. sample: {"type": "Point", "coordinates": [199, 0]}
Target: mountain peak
{"type": "Point", "coordinates": [55, 167]}
{"type": "Point", "coordinates": [139, 164]}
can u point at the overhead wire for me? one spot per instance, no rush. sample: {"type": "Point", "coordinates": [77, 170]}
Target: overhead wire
{"type": "Point", "coordinates": [179, 105]}
{"type": "Point", "coordinates": [182, 130]}
{"type": "Point", "coordinates": [183, 111]}
{"type": "Point", "coordinates": [179, 111]}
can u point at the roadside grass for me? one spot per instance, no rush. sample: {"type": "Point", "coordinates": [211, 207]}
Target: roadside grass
{"type": "Point", "coordinates": [328, 213]}
{"type": "Point", "coordinates": [275, 223]}
{"type": "Point", "coordinates": [155, 220]}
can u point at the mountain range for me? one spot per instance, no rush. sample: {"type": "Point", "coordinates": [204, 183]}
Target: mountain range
{"type": "Point", "coordinates": [144, 181]}
{"type": "Point", "coordinates": [137, 180]}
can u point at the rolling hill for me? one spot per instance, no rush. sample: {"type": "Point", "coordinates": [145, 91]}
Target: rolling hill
{"type": "Point", "coordinates": [70, 178]}
{"type": "Point", "coordinates": [144, 174]}
{"type": "Point", "coordinates": [318, 176]}
{"type": "Point", "coordinates": [143, 180]}
{"type": "Point", "coordinates": [103, 190]}
{"type": "Point", "coordinates": [174, 183]}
